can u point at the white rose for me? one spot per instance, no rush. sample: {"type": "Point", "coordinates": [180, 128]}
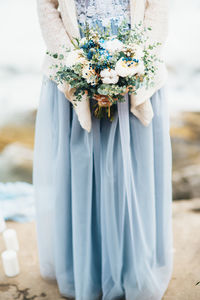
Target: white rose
{"type": "Point", "coordinates": [128, 68]}
{"type": "Point", "coordinates": [114, 45]}
{"type": "Point", "coordinates": [109, 76]}
{"type": "Point", "coordinates": [124, 68]}
{"type": "Point", "coordinates": [75, 57]}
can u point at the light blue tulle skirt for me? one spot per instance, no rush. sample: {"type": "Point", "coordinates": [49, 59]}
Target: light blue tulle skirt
{"type": "Point", "coordinates": [103, 200]}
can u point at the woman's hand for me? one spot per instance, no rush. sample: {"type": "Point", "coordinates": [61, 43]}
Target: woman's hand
{"type": "Point", "coordinates": [82, 108]}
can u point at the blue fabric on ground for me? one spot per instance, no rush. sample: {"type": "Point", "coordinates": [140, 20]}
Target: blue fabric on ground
{"type": "Point", "coordinates": [17, 201]}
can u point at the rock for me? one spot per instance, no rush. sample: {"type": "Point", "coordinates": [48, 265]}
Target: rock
{"type": "Point", "coordinates": [20, 129]}
{"type": "Point", "coordinates": [185, 137]}
{"type": "Point", "coordinates": [16, 163]}
{"type": "Point", "coordinates": [17, 141]}
{"type": "Point", "coordinates": [16, 147]}
{"type": "Point", "coordinates": [186, 182]}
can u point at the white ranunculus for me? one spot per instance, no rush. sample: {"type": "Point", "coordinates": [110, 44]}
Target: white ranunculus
{"type": "Point", "coordinates": [107, 80]}
{"type": "Point", "coordinates": [109, 76]}
{"type": "Point", "coordinates": [114, 45]}
{"type": "Point", "coordinates": [128, 68]}
{"type": "Point", "coordinates": [75, 57]}
{"type": "Point", "coordinates": [123, 68]}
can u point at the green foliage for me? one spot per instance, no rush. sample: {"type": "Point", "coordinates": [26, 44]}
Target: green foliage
{"type": "Point", "coordinates": [96, 58]}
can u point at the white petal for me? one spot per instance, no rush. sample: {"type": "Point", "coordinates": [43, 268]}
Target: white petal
{"type": "Point", "coordinates": [106, 80]}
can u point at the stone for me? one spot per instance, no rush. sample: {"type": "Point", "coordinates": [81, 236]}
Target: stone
{"type": "Point", "coordinates": [18, 129]}
{"type": "Point", "coordinates": [186, 182]}
{"type": "Point", "coordinates": [185, 137]}
{"type": "Point", "coordinates": [16, 163]}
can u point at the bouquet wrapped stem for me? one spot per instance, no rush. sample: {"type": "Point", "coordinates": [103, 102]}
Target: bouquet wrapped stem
{"type": "Point", "coordinates": [103, 101]}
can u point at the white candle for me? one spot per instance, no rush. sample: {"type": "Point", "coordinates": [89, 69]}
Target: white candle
{"type": "Point", "coordinates": [10, 239]}
{"type": "Point", "coordinates": [2, 224]}
{"type": "Point", "coordinates": [10, 263]}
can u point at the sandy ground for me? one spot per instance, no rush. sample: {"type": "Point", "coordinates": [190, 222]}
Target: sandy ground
{"type": "Point", "coordinates": [186, 221]}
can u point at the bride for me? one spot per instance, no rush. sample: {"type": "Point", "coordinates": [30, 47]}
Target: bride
{"type": "Point", "coordinates": [103, 189]}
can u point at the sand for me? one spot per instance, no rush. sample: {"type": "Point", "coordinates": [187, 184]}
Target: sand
{"type": "Point", "coordinates": [186, 223]}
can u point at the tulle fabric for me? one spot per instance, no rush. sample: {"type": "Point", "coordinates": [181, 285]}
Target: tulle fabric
{"type": "Point", "coordinates": [103, 200]}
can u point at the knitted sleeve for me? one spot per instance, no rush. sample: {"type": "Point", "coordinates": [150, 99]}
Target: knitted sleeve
{"type": "Point", "coordinates": [51, 24]}
{"type": "Point", "coordinates": [55, 37]}
{"type": "Point", "coordinates": [156, 17]}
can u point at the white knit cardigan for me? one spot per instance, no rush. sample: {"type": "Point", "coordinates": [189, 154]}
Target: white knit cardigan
{"type": "Point", "coordinates": [58, 21]}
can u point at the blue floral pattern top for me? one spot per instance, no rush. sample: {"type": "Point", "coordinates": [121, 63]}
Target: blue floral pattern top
{"type": "Point", "coordinates": [103, 12]}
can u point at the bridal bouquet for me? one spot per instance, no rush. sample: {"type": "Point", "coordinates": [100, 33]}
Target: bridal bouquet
{"type": "Point", "coordinates": [106, 66]}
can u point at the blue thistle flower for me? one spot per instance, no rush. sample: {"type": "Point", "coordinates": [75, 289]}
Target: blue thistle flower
{"type": "Point", "coordinates": [90, 54]}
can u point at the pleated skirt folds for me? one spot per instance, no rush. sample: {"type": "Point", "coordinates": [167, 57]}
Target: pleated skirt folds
{"type": "Point", "coordinates": [103, 200]}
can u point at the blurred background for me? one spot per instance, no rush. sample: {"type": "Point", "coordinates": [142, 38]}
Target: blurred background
{"type": "Point", "coordinates": [22, 50]}
{"type": "Point", "coordinates": [21, 56]}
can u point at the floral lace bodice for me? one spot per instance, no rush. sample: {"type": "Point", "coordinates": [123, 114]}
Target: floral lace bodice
{"type": "Point", "coordinates": [103, 11]}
